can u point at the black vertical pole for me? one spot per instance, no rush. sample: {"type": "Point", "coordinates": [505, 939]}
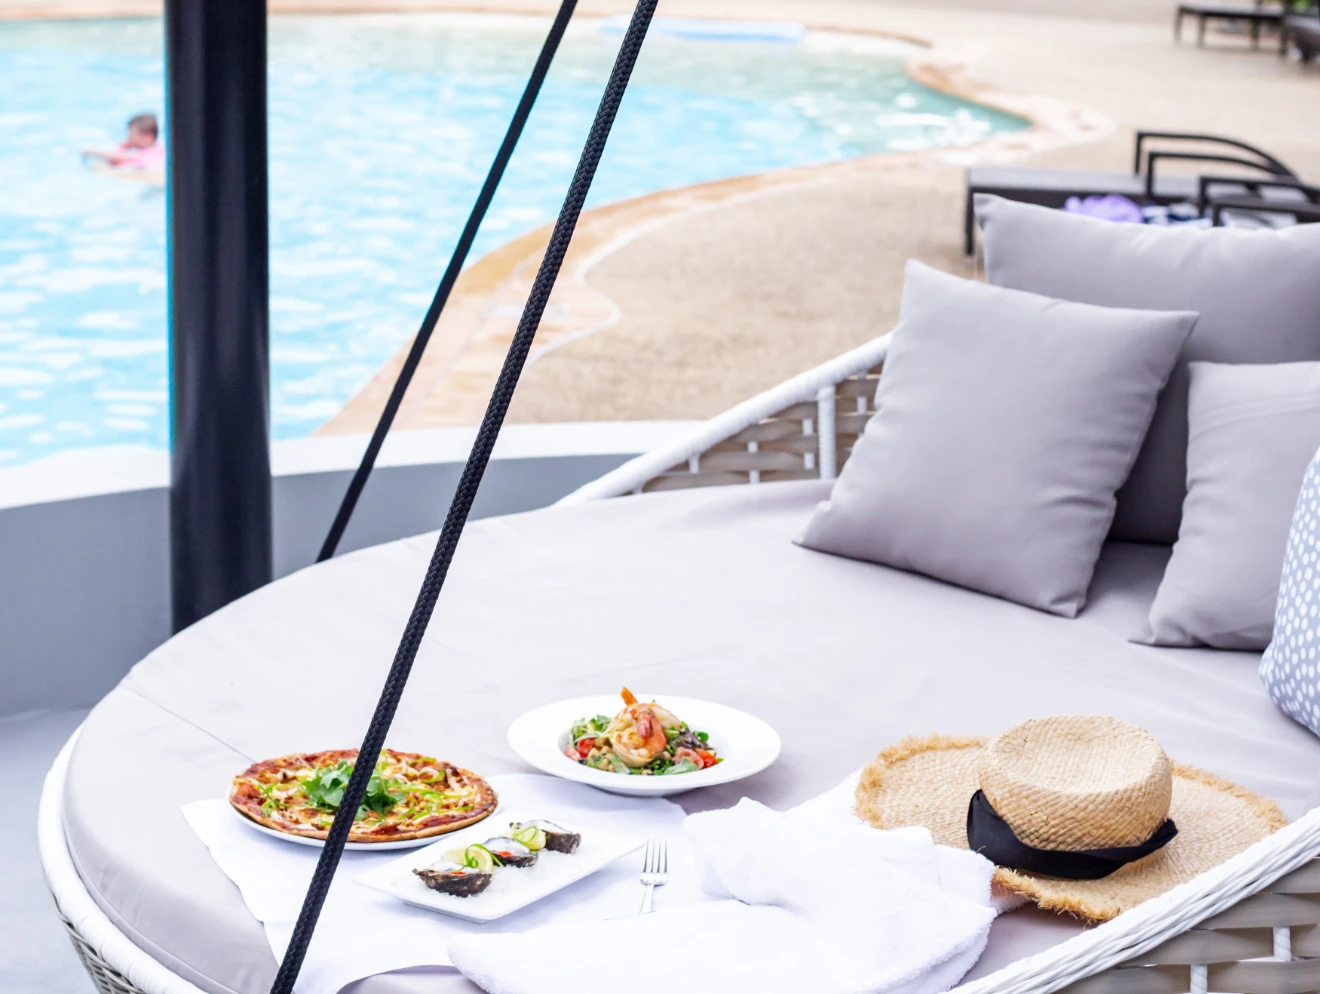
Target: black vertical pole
{"type": "Point", "coordinates": [220, 499]}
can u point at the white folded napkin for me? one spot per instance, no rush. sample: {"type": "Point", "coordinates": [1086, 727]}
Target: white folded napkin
{"type": "Point", "coordinates": [797, 903]}
{"type": "Point", "coordinates": [362, 932]}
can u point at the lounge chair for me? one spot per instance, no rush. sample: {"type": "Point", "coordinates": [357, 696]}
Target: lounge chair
{"type": "Point", "coordinates": [1255, 15]}
{"type": "Point", "coordinates": [1302, 205]}
{"type": "Point", "coordinates": [1302, 32]}
{"type": "Point", "coordinates": [1146, 183]}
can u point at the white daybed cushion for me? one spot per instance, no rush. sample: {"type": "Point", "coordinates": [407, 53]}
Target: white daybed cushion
{"type": "Point", "coordinates": [697, 592]}
{"type": "Point", "coordinates": [1005, 423]}
{"type": "Point", "coordinates": [1252, 431]}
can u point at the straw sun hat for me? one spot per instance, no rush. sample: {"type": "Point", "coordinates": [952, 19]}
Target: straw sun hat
{"type": "Point", "coordinates": [1080, 814]}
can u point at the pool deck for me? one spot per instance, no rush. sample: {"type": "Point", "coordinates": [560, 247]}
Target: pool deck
{"type": "Point", "coordinates": [680, 304]}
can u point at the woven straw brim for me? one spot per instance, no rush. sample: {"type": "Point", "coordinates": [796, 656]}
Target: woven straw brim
{"type": "Point", "coordinates": [929, 782]}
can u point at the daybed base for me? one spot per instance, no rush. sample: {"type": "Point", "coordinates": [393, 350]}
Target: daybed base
{"type": "Point", "coordinates": [1242, 950]}
{"type": "Point", "coordinates": [1249, 926]}
{"type": "Point", "coordinates": [105, 978]}
{"type": "Point", "coordinates": [115, 964]}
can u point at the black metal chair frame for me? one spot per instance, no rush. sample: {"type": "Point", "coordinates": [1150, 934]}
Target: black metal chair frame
{"type": "Point", "coordinates": [1145, 163]}
{"type": "Point", "coordinates": [1305, 212]}
{"type": "Point", "coordinates": [1256, 16]}
{"type": "Point", "coordinates": [1254, 187]}
{"type": "Point", "coordinates": [1158, 156]}
{"type": "Point", "coordinates": [1263, 160]}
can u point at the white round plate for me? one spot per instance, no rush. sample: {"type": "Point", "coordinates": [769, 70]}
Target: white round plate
{"type": "Point", "coordinates": [303, 840]}
{"type": "Point", "coordinates": [747, 744]}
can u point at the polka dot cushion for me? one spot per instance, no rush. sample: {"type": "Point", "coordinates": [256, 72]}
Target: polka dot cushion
{"type": "Point", "coordinates": [1290, 668]}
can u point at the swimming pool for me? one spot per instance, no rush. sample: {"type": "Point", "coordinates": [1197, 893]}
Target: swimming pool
{"type": "Point", "coordinates": [381, 129]}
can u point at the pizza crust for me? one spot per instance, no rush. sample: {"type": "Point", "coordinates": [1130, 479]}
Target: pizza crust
{"type": "Point", "coordinates": [244, 798]}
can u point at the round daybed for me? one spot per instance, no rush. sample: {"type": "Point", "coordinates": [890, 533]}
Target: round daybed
{"type": "Point", "coordinates": [702, 592]}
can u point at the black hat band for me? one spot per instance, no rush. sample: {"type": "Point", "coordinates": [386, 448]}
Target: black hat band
{"type": "Point", "coordinates": [990, 835]}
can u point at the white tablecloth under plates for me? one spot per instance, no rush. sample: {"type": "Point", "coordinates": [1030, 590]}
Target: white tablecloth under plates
{"type": "Point", "coordinates": [362, 931]}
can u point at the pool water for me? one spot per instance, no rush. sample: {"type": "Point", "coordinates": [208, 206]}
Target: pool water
{"type": "Point", "coordinates": [381, 130]}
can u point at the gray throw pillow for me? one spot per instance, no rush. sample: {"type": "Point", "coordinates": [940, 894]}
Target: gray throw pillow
{"type": "Point", "coordinates": [1005, 422]}
{"type": "Point", "coordinates": [1258, 294]}
{"type": "Point", "coordinates": [1253, 431]}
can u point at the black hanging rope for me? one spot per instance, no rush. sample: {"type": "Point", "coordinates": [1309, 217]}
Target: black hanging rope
{"type": "Point", "coordinates": [463, 497]}
{"type": "Point", "coordinates": [414, 359]}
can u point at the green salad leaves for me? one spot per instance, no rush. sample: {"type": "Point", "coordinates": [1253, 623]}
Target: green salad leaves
{"type": "Point", "coordinates": [586, 728]}
{"type": "Point", "coordinates": [325, 789]}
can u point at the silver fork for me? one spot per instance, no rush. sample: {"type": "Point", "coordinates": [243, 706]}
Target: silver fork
{"type": "Point", "coordinates": [655, 871]}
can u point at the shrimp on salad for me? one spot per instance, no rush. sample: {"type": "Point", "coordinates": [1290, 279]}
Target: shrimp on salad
{"type": "Point", "coordinates": [643, 739]}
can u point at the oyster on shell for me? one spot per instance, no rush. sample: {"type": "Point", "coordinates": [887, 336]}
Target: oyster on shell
{"type": "Point", "coordinates": [448, 877]}
{"type": "Point", "coordinates": [511, 852]}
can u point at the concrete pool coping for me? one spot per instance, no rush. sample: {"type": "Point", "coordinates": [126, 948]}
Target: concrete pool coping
{"type": "Point", "coordinates": [454, 378]}
{"type": "Point", "coordinates": [465, 353]}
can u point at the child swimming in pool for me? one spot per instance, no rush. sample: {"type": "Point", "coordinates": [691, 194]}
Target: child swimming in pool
{"type": "Point", "coordinates": [140, 150]}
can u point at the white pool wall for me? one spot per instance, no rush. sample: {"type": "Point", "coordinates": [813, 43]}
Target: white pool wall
{"type": "Point", "coordinates": [84, 537]}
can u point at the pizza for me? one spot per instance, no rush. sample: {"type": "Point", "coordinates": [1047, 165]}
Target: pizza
{"type": "Point", "coordinates": [410, 796]}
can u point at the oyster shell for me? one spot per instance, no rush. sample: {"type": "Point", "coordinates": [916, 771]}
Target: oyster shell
{"type": "Point", "coordinates": [448, 877]}
{"type": "Point", "coordinates": [511, 852]}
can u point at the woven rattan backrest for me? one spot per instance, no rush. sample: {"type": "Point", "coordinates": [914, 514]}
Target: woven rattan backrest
{"type": "Point", "coordinates": [784, 446]}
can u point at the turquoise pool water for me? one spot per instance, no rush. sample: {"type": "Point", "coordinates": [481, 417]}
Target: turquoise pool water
{"type": "Point", "coordinates": [381, 129]}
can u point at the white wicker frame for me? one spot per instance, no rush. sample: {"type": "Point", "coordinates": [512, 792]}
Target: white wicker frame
{"type": "Point", "coordinates": [115, 963]}
{"type": "Point", "coordinates": [802, 429]}
{"type": "Point", "coordinates": [1249, 926]}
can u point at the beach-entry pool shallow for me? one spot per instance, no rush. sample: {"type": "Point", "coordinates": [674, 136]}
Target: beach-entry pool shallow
{"type": "Point", "coordinates": [381, 129]}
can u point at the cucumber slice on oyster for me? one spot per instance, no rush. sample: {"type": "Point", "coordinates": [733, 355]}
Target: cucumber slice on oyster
{"type": "Point", "coordinates": [532, 836]}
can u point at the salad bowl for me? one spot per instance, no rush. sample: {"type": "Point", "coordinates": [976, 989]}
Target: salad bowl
{"type": "Point", "coordinates": [745, 744]}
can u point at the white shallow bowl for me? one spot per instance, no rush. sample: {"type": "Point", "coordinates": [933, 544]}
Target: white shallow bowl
{"type": "Point", "coordinates": [512, 888]}
{"type": "Point", "coordinates": [747, 744]}
{"type": "Point", "coordinates": [303, 840]}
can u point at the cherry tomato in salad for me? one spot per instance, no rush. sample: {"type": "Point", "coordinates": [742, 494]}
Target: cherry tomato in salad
{"type": "Point", "coordinates": [691, 755]}
{"type": "Point", "coordinates": [584, 747]}
{"type": "Point", "coordinates": [708, 758]}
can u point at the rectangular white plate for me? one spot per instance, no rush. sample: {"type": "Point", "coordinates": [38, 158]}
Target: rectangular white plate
{"type": "Point", "coordinates": [512, 888]}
